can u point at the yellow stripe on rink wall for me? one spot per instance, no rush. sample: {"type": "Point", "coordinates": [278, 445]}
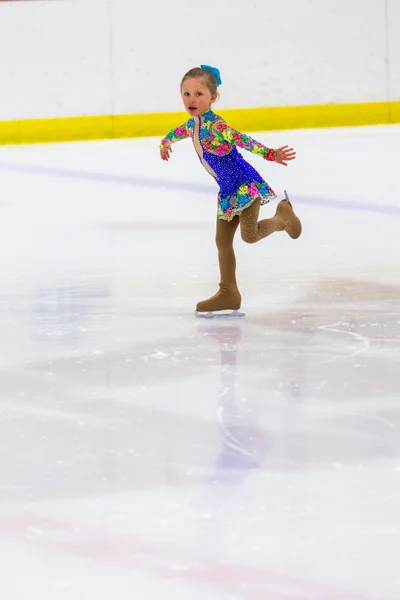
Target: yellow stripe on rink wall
{"type": "Point", "coordinates": [158, 124]}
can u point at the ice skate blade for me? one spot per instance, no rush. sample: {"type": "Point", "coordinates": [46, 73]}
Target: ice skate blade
{"type": "Point", "coordinates": [219, 315]}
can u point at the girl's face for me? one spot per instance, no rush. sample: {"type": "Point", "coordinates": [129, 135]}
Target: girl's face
{"type": "Point", "coordinates": [196, 97]}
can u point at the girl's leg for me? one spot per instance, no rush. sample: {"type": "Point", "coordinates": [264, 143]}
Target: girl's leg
{"type": "Point", "coordinates": [252, 230]}
{"type": "Point", "coordinates": [228, 296]}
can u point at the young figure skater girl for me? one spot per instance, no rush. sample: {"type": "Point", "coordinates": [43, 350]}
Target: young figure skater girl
{"type": "Point", "coordinates": [241, 189]}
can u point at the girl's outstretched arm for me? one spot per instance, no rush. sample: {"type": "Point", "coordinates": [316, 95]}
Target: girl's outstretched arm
{"type": "Point", "coordinates": [280, 155]}
{"type": "Point", "coordinates": [175, 135]}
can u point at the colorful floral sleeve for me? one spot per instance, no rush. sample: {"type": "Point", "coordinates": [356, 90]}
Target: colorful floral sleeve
{"type": "Point", "coordinates": [175, 135]}
{"type": "Point", "coordinates": [232, 136]}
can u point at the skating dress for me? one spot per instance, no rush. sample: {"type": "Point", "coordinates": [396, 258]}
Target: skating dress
{"type": "Point", "coordinates": [215, 143]}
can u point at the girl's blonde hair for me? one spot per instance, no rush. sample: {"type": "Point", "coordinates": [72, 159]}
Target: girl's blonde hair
{"type": "Point", "coordinates": [209, 78]}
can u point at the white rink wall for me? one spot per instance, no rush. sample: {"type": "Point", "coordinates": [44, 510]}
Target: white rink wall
{"type": "Point", "coordinates": [100, 57]}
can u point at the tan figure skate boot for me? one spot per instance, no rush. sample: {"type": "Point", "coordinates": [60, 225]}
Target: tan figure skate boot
{"type": "Point", "coordinates": [226, 299]}
{"type": "Point", "coordinates": [285, 215]}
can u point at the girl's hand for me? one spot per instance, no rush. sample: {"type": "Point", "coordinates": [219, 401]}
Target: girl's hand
{"type": "Point", "coordinates": [165, 153]}
{"type": "Point", "coordinates": [284, 154]}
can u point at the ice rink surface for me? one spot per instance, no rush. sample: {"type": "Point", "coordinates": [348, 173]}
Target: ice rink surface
{"type": "Point", "coordinates": [146, 454]}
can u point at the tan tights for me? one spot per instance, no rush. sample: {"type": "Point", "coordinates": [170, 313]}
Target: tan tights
{"type": "Point", "coordinates": [252, 230]}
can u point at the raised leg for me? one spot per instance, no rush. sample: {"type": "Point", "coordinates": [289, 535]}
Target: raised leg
{"type": "Point", "coordinates": [251, 229]}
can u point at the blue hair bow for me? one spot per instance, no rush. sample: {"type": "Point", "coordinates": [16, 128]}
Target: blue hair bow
{"type": "Point", "coordinates": [214, 71]}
